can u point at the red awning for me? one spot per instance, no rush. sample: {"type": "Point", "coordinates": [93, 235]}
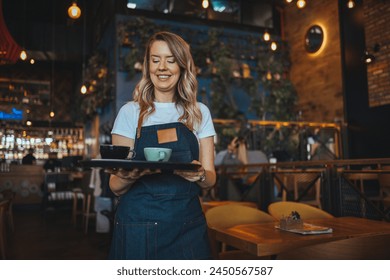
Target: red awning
{"type": "Point", "coordinates": [9, 49]}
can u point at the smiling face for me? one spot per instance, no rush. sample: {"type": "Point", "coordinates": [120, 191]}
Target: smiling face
{"type": "Point", "coordinates": [164, 71]}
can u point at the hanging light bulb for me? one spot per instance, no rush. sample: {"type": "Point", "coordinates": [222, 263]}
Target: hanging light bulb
{"type": "Point", "coordinates": [266, 36]}
{"type": "Point", "coordinates": [83, 89]}
{"type": "Point", "coordinates": [269, 75]}
{"type": "Point", "coordinates": [23, 55]}
{"type": "Point", "coordinates": [32, 61]}
{"type": "Point", "coordinates": [205, 4]}
{"type": "Point", "coordinates": [289, 1]}
{"type": "Point", "coordinates": [74, 11]}
{"type": "Point", "coordinates": [350, 4]}
{"type": "Point", "coordinates": [301, 4]}
{"type": "Point", "coordinates": [274, 46]}
{"type": "Point", "coordinates": [51, 114]}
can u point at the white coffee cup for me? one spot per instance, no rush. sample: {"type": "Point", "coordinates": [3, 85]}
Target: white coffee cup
{"type": "Point", "coordinates": [157, 153]}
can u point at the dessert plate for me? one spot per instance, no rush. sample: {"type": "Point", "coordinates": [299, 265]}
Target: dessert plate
{"type": "Point", "coordinates": [309, 229]}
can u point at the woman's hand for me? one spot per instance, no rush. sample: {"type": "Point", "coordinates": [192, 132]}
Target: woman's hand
{"type": "Point", "coordinates": [233, 145]}
{"type": "Point", "coordinates": [121, 180]}
{"type": "Point", "coordinates": [192, 176]}
{"type": "Point", "coordinates": [130, 175]}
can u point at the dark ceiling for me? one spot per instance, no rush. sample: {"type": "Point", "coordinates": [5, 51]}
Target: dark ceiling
{"type": "Point", "coordinates": [44, 29]}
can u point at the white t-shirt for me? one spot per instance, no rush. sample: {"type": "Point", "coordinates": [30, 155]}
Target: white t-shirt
{"type": "Point", "coordinates": [127, 119]}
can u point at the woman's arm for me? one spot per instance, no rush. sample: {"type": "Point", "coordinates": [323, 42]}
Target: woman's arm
{"type": "Point", "coordinates": [205, 176]}
{"type": "Point", "coordinates": [206, 158]}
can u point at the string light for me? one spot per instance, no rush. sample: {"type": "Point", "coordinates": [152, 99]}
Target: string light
{"type": "Point", "coordinates": [301, 4]}
{"type": "Point", "coordinates": [274, 46]}
{"type": "Point", "coordinates": [205, 4]}
{"type": "Point", "coordinates": [266, 36]}
{"type": "Point", "coordinates": [83, 89]}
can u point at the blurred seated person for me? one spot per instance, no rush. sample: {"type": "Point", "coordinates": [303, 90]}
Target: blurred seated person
{"type": "Point", "coordinates": [29, 159]}
{"type": "Point", "coordinates": [52, 162]}
{"type": "Point", "coordinates": [236, 154]}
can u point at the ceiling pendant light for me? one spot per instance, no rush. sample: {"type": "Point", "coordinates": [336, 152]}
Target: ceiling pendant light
{"type": "Point", "coordinates": [84, 89]}
{"type": "Point", "coordinates": [23, 55]}
{"type": "Point", "coordinates": [74, 11]}
{"type": "Point", "coordinates": [205, 4]}
{"type": "Point", "coordinates": [301, 4]}
{"type": "Point", "coordinates": [350, 4]}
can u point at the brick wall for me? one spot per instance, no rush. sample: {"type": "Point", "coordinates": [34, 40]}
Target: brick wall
{"type": "Point", "coordinates": [317, 78]}
{"type": "Point", "coordinates": [377, 31]}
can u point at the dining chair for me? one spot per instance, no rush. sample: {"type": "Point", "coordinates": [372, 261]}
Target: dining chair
{"type": "Point", "coordinates": [366, 184]}
{"type": "Point", "coordinates": [384, 185]}
{"type": "Point", "coordinates": [207, 205]}
{"type": "Point", "coordinates": [230, 215]}
{"type": "Point", "coordinates": [88, 212]}
{"type": "Point", "coordinates": [78, 206]}
{"type": "Point", "coordinates": [3, 208]}
{"type": "Point", "coordinates": [9, 216]}
{"type": "Point", "coordinates": [305, 186]}
{"type": "Point", "coordinates": [284, 208]}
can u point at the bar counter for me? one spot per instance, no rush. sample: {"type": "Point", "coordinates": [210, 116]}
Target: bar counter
{"type": "Point", "coordinates": [26, 181]}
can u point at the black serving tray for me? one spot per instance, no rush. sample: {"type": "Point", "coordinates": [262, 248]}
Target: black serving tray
{"type": "Point", "coordinates": [140, 164]}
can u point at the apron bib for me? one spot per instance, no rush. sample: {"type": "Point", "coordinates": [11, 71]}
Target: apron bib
{"type": "Point", "coordinates": [160, 217]}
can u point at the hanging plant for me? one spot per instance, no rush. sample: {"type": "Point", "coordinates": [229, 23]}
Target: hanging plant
{"type": "Point", "coordinates": [99, 86]}
{"type": "Point", "coordinates": [132, 36]}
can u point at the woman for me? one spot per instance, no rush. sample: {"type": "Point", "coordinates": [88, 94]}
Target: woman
{"type": "Point", "coordinates": [235, 154]}
{"type": "Point", "coordinates": [159, 215]}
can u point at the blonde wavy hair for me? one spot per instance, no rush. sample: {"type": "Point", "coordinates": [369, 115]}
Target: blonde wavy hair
{"type": "Point", "coordinates": [187, 86]}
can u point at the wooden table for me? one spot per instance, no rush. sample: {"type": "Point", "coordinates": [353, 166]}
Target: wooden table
{"type": "Point", "coordinates": [351, 238]}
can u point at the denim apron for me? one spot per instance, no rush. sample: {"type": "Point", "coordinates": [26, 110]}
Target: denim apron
{"type": "Point", "coordinates": [160, 217]}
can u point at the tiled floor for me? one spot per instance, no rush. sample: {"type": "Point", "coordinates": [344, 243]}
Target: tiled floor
{"type": "Point", "coordinates": [54, 237]}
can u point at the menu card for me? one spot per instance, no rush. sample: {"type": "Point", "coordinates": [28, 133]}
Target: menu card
{"type": "Point", "coordinates": [309, 229]}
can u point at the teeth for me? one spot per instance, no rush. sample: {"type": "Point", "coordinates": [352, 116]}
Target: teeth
{"type": "Point", "coordinates": [163, 76]}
